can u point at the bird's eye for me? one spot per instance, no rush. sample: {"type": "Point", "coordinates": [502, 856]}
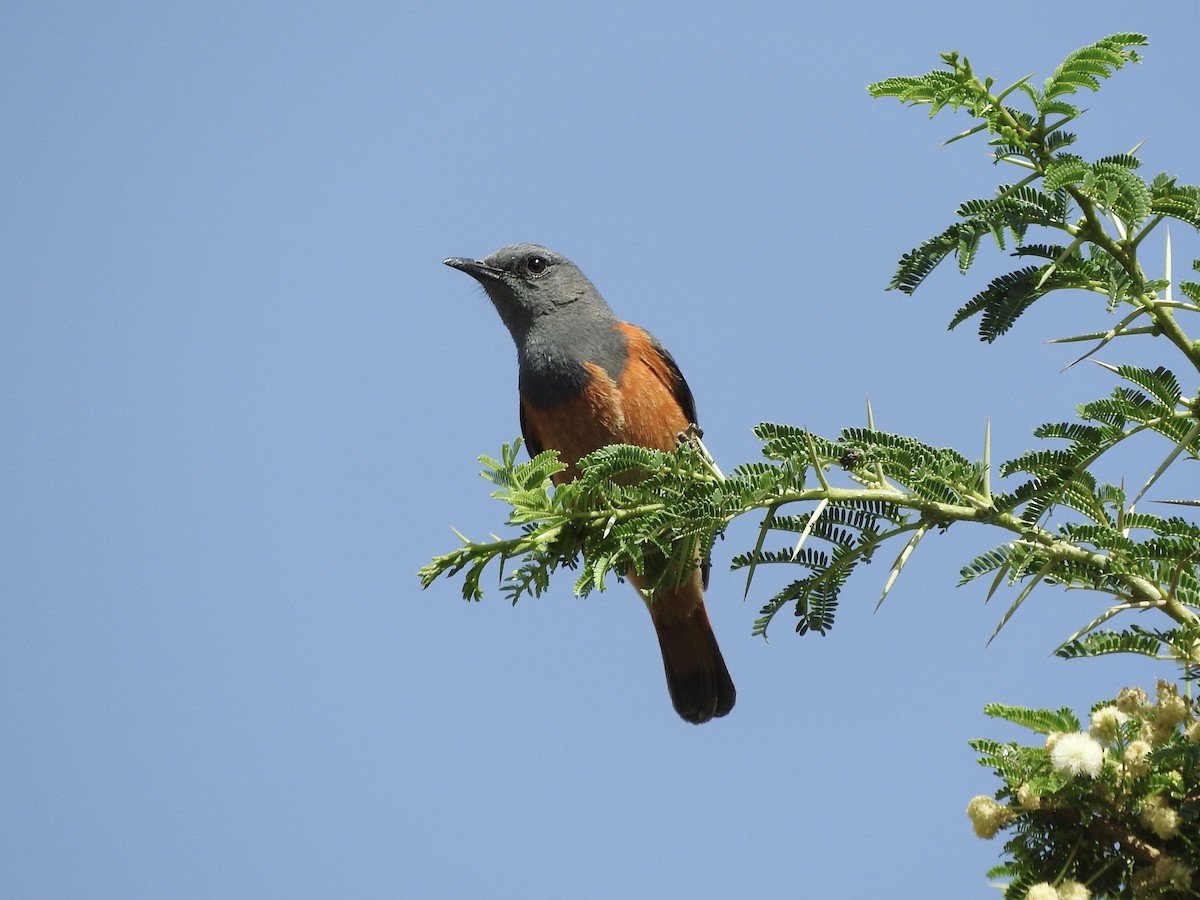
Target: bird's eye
{"type": "Point", "coordinates": [536, 265]}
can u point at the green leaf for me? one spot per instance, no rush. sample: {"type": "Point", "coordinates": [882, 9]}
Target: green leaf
{"type": "Point", "coordinates": [1181, 202]}
{"type": "Point", "coordinates": [1043, 721]}
{"type": "Point", "coordinates": [1064, 170]}
{"type": "Point", "coordinates": [1121, 160]}
{"type": "Point", "coordinates": [1160, 383]}
{"type": "Point", "coordinates": [1087, 65]}
{"type": "Point", "coordinates": [961, 238]}
{"type": "Point", "coordinates": [987, 562]}
{"type": "Point", "coordinates": [1003, 301]}
{"type": "Point", "coordinates": [1105, 643]}
{"type": "Point", "coordinates": [1116, 188]}
{"type": "Point", "coordinates": [955, 88]}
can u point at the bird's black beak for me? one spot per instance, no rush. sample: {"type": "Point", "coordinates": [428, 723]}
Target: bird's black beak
{"type": "Point", "coordinates": [477, 269]}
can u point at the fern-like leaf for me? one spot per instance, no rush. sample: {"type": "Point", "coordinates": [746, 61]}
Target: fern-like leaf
{"type": "Point", "coordinates": [1160, 383]}
{"type": "Point", "coordinates": [1105, 643]}
{"type": "Point", "coordinates": [986, 563]}
{"type": "Point", "coordinates": [1115, 187]}
{"type": "Point", "coordinates": [1177, 201]}
{"type": "Point", "coordinates": [1064, 170]}
{"type": "Point", "coordinates": [961, 238]}
{"type": "Point", "coordinates": [1043, 721]}
{"type": "Point", "coordinates": [1002, 302]}
{"type": "Point", "coordinates": [939, 88]}
{"type": "Point", "coordinates": [1087, 65]}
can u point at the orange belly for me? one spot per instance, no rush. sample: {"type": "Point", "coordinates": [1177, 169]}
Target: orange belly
{"type": "Point", "coordinates": [641, 410]}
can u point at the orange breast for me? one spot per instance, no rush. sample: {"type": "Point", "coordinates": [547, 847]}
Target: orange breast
{"type": "Point", "coordinates": [653, 417]}
{"type": "Point", "coordinates": [641, 409]}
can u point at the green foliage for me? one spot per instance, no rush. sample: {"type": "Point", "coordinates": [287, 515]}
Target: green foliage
{"type": "Point", "coordinates": [1175, 201]}
{"type": "Point", "coordinates": [830, 504]}
{"type": "Point", "coordinates": [1134, 640]}
{"type": "Point", "coordinates": [637, 510]}
{"type": "Point", "coordinates": [1116, 808]}
{"type": "Point", "coordinates": [631, 510]}
{"type": "Point", "coordinates": [1043, 721]}
{"type": "Point", "coordinates": [1102, 205]}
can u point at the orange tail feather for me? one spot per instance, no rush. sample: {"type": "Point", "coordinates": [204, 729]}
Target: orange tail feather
{"type": "Point", "coordinates": [697, 678]}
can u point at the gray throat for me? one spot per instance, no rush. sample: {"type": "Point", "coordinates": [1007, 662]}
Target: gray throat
{"type": "Point", "coordinates": [551, 357]}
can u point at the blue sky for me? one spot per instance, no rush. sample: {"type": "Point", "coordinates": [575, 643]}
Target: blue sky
{"type": "Point", "coordinates": [242, 403]}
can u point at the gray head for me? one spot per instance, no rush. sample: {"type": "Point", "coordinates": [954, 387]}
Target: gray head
{"type": "Point", "coordinates": [532, 286]}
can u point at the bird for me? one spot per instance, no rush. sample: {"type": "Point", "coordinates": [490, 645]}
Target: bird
{"type": "Point", "coordinates": [587, 379]}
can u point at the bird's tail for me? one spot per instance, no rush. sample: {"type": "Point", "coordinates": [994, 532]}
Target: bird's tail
{"type": "Point", "coordinates": [697, 678]}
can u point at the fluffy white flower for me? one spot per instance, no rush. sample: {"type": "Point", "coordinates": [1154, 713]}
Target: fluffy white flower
{"type": "Point", "coordinates": [1042, 891]}
{"type": "Point", "coordinates": [1073, 890]}
{"type": "Point", "coordinates": [1132, 701]}
{"type": "Point", "coordinates": [1161, 819]}
{"type": "Point", "coordinates": [1137, 758]}
{"type": "Point", "coordinates": [1171, 709]}
{"type": "Point", "coordinates": [1027, 798]}
{"type": "Point", "coordinates": [1106, 722]}
{"type": "Point", "coordinates": [1171, 871]}
{"type": "Point", "coordinates": [1077, 754]}
{"type": "Point", "coordinates": [987, 816]}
